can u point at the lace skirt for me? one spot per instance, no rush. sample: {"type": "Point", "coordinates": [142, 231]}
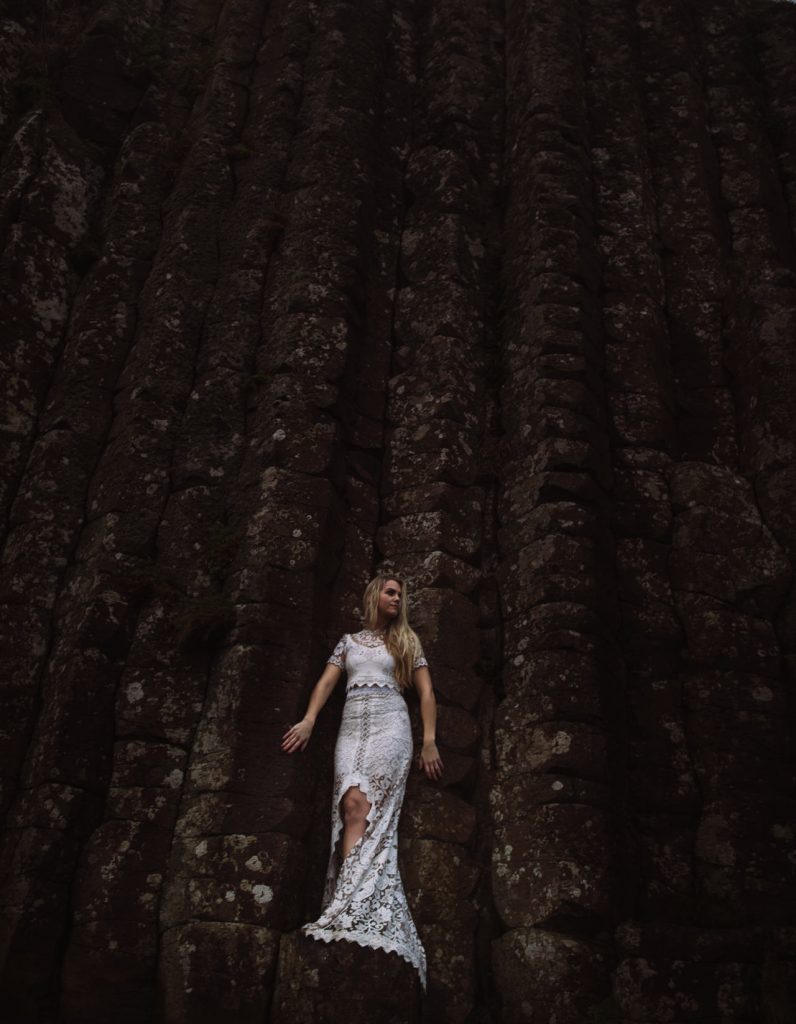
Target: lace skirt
{"type": "Point", "coordinates": [363, 898]}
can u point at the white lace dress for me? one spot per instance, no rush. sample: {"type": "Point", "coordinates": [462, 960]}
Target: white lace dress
{"type": "Point", "coordinates": [363, 898]}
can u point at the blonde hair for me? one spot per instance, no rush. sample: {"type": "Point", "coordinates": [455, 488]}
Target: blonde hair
{"type": "Point", "coordinates": [399, 638]}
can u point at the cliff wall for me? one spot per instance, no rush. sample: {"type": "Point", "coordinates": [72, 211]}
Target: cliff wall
{"type": "Point", "coordinates": [495, 293]}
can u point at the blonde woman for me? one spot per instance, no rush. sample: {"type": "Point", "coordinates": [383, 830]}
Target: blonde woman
{"type": "Point", "coordinates": [363, 898]}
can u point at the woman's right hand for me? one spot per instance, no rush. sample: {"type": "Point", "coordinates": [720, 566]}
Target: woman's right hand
{"type": "Point", "coordinates": [297, 737]}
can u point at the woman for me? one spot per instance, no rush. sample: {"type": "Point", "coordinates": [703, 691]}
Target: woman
{"type": "Point", "coordinates": [363, 896]}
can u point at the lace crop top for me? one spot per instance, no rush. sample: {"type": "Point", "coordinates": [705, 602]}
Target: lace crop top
{"type": "Point", "coordinates": [366, 660]}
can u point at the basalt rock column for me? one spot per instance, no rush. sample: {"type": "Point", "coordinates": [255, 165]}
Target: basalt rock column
{"type": "Point", "coordinates": [435, 486]}
{"type": "Point", "coordinates": [308, 984]}
{"type": "Point", "coordinates": [557, 811]}
{"type": "Point", "coordinates": [640, 347]}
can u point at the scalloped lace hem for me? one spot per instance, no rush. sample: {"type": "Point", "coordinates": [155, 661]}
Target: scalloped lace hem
{"type": "Point", "coordinates": [367, 942]}
{"type": "Point", "coordinates": [381, 684]}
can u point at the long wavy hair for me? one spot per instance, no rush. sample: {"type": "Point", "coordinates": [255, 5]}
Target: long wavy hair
{"type": "Point", "coordinates": [399, 638]}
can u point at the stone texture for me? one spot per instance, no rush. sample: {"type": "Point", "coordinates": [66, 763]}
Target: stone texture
{"type": "Point", "coordinates": [499, 296]}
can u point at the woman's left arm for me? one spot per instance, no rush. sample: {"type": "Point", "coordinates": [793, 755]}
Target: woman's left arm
{"type": "Point", "coordinates": [430, 761]}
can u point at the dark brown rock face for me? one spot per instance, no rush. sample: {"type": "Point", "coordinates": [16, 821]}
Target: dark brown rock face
{"type": "Point", "coordinates": [499, 295]}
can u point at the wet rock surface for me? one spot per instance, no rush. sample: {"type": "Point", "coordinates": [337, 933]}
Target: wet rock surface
{"type": "Point", "coordinates": [499, 296]}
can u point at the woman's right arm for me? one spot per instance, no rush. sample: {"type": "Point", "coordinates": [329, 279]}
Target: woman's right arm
{"type": "Point", "coordinates": [298, 736]}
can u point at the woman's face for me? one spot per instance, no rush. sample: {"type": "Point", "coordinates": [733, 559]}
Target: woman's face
{"type": "Point", "coordinates": [390, 599]}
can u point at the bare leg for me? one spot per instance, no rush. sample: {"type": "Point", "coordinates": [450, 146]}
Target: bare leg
{"type": "Point", "coordinates": [355, 811]}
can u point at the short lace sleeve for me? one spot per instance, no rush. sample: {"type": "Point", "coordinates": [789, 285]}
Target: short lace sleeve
{"type": "Point", "coordinates": [337, 657]}
{"type": "Point", "coordinates": [420, 659]}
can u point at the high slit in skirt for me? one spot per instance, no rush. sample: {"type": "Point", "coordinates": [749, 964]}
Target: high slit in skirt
{"type": "Point", "coordinates": [363, 896]}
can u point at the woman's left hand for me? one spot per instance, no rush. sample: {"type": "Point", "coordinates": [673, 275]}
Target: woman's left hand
{"type": "Point", "coordinates": [430, 761]}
